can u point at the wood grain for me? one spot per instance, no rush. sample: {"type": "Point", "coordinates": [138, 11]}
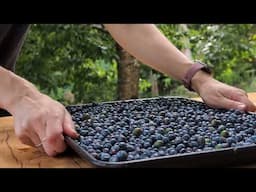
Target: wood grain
{"type": "Point", "coordinates": [14, 154]}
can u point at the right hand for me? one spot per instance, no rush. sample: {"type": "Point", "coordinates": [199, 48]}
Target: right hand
{"type": "Point", "coordinates": [41, 119]}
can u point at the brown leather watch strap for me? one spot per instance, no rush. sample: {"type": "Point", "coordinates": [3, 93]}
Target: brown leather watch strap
{"type": "Point", "coordinates": [192, 71]}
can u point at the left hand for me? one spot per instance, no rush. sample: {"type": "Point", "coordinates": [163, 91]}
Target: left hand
{"type": "Point", "coordinates": [219, 95]}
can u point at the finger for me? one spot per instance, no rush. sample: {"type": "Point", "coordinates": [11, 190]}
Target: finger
{"type": "Point", "coordinates": [243, 98]}
{"type": "Point", "coordinates": [226, 103]}
{"type": "Point", "coordinates": [68, 126]}
{"type": "Point", "coordinates": [37, 134]}
{"type": "Point", "coordinates": [250, 106]}
{"type": "Point", "coordinates": [36, 140]}
{"type": "Point", "coordinates": [27, 141]}
{"type": "Point", "coordinates": [54, 134]}
{"type": "Point", "coordinates": [60, 144]}
{"type": "Point", "coordinates": [23, 136]}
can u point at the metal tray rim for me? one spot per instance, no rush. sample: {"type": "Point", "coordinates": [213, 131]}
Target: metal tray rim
{"type": "Point", "coordinates": [130, 100]}
{"type": "Point", "coordinates": [85, 155]}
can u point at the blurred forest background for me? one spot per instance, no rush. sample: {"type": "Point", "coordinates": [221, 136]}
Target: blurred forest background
{"type": "Point", "coordinates": [81, 63]}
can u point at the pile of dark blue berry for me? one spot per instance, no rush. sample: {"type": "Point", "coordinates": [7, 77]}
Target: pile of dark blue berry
{"type": "Point", "coordinates": [142, 129]}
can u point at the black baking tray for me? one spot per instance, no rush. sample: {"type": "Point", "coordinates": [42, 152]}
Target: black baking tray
{"type": "Point", "coordinates": [226, 157]}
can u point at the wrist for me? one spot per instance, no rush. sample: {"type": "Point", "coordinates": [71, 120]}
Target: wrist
{"type": "Point", "coordinates": [13, 89]}
{"type": "Point", "coordinates": [198, 69]}
{"type": "Point", "coordinates": [25, 91]}
{"type": "Point", "coordinates": [199, 79]}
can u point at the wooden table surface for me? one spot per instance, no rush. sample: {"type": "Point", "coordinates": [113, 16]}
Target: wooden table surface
{"type": "Point", "coordinates": [14, 154]}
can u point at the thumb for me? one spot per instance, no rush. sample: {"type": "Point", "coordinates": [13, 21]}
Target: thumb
{"type": "Point", "coordinates": [68, 126]}
{"type": "Point", "coordinates": [230, 104]}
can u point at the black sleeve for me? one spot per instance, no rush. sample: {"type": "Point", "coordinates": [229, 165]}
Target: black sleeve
{"type": "Point", "coordinates": [11, 40]}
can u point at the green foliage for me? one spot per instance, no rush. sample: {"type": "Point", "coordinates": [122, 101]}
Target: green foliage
{"type": "Point", "coordinates": [249, 87]}
{"type": "Point", "coordinates": [75, 63]}
{"type": "Point", "coordinates": [182, 91]}
{"type": "Point", "coordinates": [230, 49]}
{"type": "Point", "coordinates": [144, 85]}
{"type": "Point", "coordinates": [76, 59]}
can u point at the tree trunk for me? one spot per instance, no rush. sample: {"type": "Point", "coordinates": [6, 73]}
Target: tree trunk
{"type": "Point", "coordinates": [154, 82]}
{"type": "Point", "coordinates": [128, 75]}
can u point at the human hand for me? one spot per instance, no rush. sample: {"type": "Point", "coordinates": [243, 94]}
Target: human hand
{"type": "Point", "coordinates": [220, 95]}
{"type": "Point", "coordinates": [40, 121]}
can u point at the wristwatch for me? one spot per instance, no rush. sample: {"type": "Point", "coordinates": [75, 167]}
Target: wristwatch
{"type": "Point", "coordinates": [197, 66]}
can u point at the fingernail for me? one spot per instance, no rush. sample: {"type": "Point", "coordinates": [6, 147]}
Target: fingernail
{"type": "Point", "coordinates": [241, 106]}
{"type": "Point", "coordinates": [75, 133]}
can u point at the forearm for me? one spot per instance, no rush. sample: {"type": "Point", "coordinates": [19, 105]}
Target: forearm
{"type": "Point", "coordinates": [14, 88]}
{"type": "Point", "coordinates": [151, 47]}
